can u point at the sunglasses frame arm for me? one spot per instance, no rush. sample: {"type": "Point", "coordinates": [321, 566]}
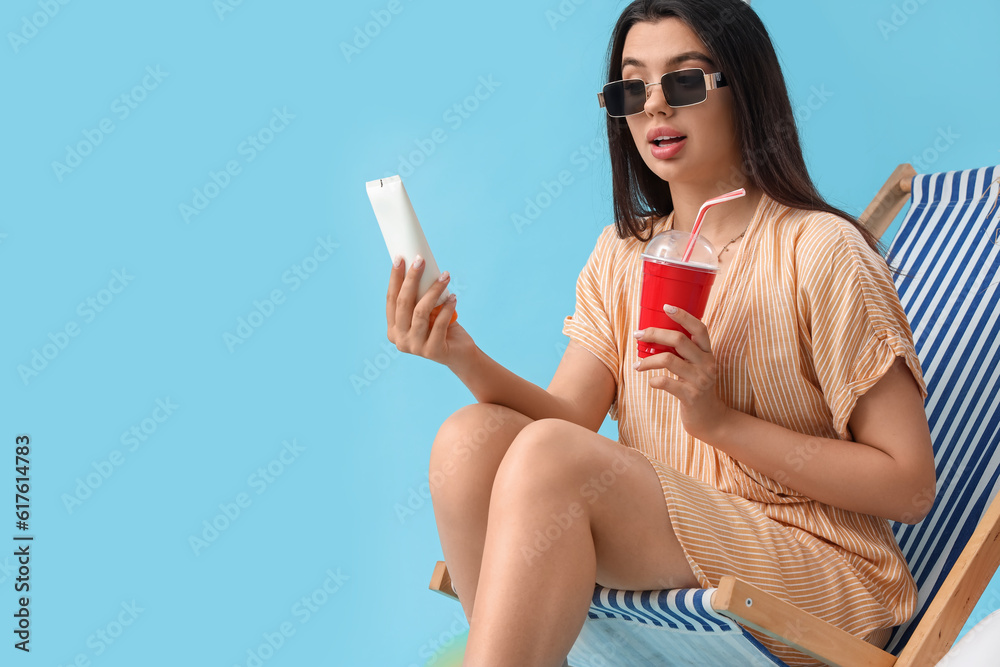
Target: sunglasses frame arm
{"type": "Point", "coordinates": [715, 80]}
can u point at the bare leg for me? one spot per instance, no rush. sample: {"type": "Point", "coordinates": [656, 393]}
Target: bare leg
{"type": "Point", "coordinates": [568, 508]}
{"type": "Point", "coordinates": [464, 460]}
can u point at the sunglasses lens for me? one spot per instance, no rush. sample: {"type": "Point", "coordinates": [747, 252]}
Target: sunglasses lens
{"type": "Point", "coordinates": [624, 98]}
{"type": "Point", "coordinates": [685, 87]}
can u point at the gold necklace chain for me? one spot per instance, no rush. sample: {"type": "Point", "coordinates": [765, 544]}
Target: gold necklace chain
{"type": "Point", "coordinates": [726, 247]}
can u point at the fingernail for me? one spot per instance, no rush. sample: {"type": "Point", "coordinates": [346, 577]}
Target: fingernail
{"type": "Point", "coordinates": [636, 365]}
{"type": "Point", "coordinates": [443, 278]}
{"type": "Point", "coordinates": [638, 334]}
{"type": "Point", "coordinates": [396, 261]}
{"type": "Point", "coordinates": [418, 261]}
{"type": "Point", "coordinates": [452, 297]}
{"type": "Point", "coordinates": [670, 309]}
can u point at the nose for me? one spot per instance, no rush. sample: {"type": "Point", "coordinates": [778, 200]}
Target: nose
{"type": "Point", "coordinates": [656, 101]}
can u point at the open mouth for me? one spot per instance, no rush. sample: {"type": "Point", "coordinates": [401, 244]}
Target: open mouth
{"type": "Point", "coordinates": [667, 141]}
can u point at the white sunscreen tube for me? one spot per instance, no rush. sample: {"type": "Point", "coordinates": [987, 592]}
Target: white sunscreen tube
{"type": "Point", "coordinates": [401, 229]}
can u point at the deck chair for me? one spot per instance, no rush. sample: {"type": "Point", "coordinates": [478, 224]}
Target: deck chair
{"type": "Point", "coordinates": [947, 250]}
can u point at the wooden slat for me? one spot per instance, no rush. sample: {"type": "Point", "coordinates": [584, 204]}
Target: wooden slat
{"type": "Point", "coordinates": [889, 201]}
{"type": "Point", "coordinates": [958, 595]}
{"type": "Point", "coordinates": [441, 581]}
{"type": "Point", "coordinates": [802, 631]}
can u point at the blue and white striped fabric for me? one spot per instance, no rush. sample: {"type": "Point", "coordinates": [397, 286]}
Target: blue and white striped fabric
{"type": "Point", "coordinates": [948, 253]}
{"type": "Point", "coordinates": [663, 629]}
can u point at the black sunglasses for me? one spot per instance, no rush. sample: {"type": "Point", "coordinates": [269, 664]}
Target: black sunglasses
{"type": "Point", "coordinates": [683, 88]}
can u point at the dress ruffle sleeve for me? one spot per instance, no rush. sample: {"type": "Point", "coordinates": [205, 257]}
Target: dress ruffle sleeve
{"type": "Point", "coordinates": [851, 314]}
{"type": "Point", "coordinates": [591, 325]}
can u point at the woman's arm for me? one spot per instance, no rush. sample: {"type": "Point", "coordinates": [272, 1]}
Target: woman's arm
{"type": "Point", "coordinates": [887, 471]}
{"type": "Point", "coordinates": [581, 390]}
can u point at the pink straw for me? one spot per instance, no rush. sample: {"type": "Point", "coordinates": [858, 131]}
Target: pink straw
{"type": "Point", "coordinates": [735, 194]}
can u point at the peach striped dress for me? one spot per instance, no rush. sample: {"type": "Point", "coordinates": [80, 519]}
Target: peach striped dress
{"type": "Point", "coordinates": [805, 321]}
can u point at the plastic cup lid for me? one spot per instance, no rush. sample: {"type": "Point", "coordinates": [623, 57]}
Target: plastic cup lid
{"type": "Point", "coordinates": [669, 246]}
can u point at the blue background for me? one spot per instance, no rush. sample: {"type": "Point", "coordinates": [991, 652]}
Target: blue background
{"type": "Point", "coordinates": [362, 441]}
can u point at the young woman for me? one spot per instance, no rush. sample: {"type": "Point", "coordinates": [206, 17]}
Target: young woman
{"type": "Point", "coordinates": [773, 446]}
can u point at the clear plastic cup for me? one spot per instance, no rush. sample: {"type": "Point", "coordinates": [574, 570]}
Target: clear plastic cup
{"type": "Point", "coordinates": [666, 279]}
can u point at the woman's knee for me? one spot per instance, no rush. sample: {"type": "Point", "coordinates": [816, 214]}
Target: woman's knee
{"type": "Point", "coordinates": [471, 427]}
{"type": "Point", "coordinates": [471, 442]}
{"type": "Point", "coordinates": [544, 457]}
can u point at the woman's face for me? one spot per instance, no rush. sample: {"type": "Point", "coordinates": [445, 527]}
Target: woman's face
{"type": "Point", "coordinates": [708, 150]}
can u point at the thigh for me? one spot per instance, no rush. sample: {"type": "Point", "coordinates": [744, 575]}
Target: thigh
{"type": "Point", "coordinates": [618, 490]}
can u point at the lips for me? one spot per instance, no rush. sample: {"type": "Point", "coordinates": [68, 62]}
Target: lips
{"type": "Point", "coordinates": [664, 136]}
{"type": "Point", "coordinates": [665, 142]}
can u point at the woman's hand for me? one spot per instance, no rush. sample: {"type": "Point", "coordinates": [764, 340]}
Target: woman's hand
{"type": "Point", "coordinates": [702, 411]}
{"type": "Point", "coordinates": [409, 325]}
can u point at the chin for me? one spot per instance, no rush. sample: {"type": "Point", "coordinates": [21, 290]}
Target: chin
{"type": "Point", "coordinates": [667, 170]}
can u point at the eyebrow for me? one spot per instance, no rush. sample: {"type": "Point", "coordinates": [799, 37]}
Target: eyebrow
{"type": "Point", "coordinates": [673, 62]}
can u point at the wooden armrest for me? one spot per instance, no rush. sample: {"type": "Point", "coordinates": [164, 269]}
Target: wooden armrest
{"type": "Point", "coordinates": [441, 581]}
{"type": "Point", "coordinates": [955, 600]}
{"type": "Point", "coordinates": [802, 631]}
{"type": "Point", "coordinates": [889, 201]}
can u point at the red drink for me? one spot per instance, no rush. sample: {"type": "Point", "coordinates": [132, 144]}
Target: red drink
{"type": "Point", "coordinates": [686, 286]}
{"type": "Point", "coordinates": [668, 280]}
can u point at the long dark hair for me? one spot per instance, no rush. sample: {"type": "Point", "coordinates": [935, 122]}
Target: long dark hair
{"type": "Point", "coordinates": [765, 125]}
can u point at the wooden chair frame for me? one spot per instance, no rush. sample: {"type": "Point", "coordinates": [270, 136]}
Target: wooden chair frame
{"type": "Point", "coordinates": [948, 611]}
